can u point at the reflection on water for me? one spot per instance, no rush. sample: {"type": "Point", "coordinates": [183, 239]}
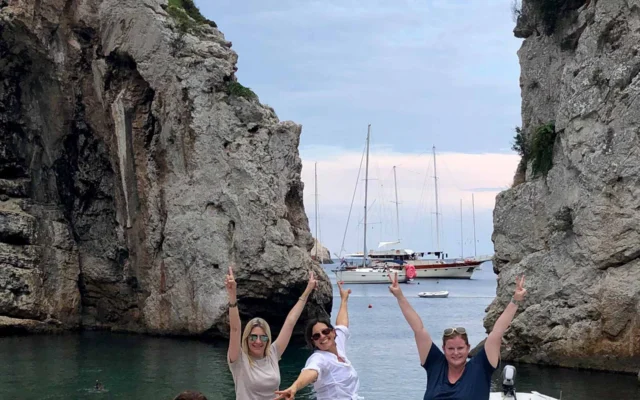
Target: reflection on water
{"type": "Point", "coordinates": [129, 366]}
{"type": "Point", "coordinates": [382, 350]}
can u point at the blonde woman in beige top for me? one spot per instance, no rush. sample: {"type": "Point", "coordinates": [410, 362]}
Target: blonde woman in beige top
{"type": "Point", "coordinates": [253, 357]}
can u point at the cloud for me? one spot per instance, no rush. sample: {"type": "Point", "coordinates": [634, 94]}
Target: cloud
{"type": "Point", "coordinates": [446, 67]}
{"type": "Point", "coordinates": [459, 175]}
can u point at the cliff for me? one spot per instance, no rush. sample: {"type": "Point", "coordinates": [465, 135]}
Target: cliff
{"type": "Point", "coordinates": [134, 168]}
{"type": "Point", "coordinates": [324, 256]}
{"type": "Point", "coordinates": [571, 222]}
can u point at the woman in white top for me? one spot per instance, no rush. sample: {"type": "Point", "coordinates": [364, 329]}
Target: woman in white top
{"type": "Point", "coordinates": [328, 368]}
{"type": "Point", "coordinates": [252, 357]}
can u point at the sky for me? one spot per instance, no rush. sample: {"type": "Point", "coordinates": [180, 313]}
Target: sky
{"type": "Point", "coordinates": [441, 73]}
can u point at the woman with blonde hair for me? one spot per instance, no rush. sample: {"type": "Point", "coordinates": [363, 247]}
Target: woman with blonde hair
{"type": "Point", "coordinates": [253, 357]}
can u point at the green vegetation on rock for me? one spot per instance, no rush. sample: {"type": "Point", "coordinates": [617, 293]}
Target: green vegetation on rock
{"type": "Point", "coordinates": [236, 89]}
{"type": "Point", "coordinates": [538, 149]}
{"type": "Point", "coordinates": [187, 15]}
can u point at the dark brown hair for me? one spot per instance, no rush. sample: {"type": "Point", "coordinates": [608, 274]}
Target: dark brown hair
{"type": "Point", "coordinates": [189, 395]}
{"type": "Point", "coordinates": [309, 330]}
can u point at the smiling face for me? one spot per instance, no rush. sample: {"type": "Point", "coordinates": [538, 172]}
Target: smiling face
{"type": "Point", "coordinates": [256, 342]}
{"type": "Point", "coordinates": [323, 337]}
{"type": "Point", "coordinates": [456, 351]}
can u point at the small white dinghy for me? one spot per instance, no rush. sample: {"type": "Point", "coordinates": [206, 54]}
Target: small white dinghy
{"type": "Point", "coordinates": [509, 389]}
{"type": "Point", "coordinates": [440, 294]}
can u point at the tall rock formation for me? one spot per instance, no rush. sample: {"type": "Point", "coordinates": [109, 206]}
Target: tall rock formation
{"type": "Point", "coordinates": [323, 254]}
{"type": "Point", "coordinates": [572, 225]}
{"type": "Point", "coordinates": [134, 169]}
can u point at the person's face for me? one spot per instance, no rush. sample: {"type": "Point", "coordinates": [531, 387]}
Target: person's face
{"type": "Point", "coordinates": [323, 337]}
{"type": "Point", "coordinates": [257, 341]}
{"type": "Point", "coordinates": [456, 351]}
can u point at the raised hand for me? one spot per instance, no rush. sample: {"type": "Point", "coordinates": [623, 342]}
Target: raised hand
{"type": "Point", "coordinates": [394, 288]}
{"type": "Point", "coordinates": [344, 293]}
{"type": "Point", "coordinates": [312, 284]}
{"type": "Point", "coordinates": [520, 291]}
{"type": "Point", "coordinates": [288, 394]}
{"type": "Point", "coordinates": [230, 283]}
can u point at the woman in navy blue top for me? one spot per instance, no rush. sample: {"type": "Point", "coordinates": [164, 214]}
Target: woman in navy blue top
{"type": "Point", "coordinates": [449, 375]}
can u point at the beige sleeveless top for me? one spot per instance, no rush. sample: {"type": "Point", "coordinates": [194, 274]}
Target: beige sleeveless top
{"type": "Point", "coordinates": [257, 382]}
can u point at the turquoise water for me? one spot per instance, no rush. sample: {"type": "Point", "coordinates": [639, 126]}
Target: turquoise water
{"type": "Point", "coordinates": [382, 350]}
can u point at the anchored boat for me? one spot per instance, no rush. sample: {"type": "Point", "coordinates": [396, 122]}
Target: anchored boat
{"type": "Point", "coordinates": [440, 294]}
{"type": "Point", "coordinates": [369, 275]}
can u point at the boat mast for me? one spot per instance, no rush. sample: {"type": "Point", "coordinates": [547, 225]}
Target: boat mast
{"type": "Point", "coordinates": [435, 180]}
{"type": "Point", "coordinates": [473, 208]}
{"type": "Point", "coordinates": [366, 188]}
{"type": "Point", "coordinates": [461, 237]}
{"type": "Point", "coordinates": [395, 183]}
{"type": "Point", "coordinates": [316, 206]}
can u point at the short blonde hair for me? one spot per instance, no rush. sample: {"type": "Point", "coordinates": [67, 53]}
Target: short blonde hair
{"type": "Point", "coordinates": [247, 331]}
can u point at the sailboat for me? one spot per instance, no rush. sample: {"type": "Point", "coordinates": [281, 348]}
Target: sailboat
{"type": "Point", "coordinates": [378, 273]}
{"type": "Point", "coordinates": [440, 267]}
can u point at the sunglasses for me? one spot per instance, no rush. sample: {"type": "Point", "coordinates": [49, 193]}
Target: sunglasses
{"type": "Point", "coordinates": [263, 338]}
{"type": "Point", "coordinates": [451, 331]}
{"type": "Point", "coordinates": [325, 332]}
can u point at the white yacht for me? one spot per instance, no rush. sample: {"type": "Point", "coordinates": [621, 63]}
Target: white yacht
{"type": "Point", "coordinates": [431, 264]}
{"type": "Point", "coordinates": [369, 275]}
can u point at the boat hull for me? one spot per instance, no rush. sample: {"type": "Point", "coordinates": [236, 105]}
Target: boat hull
{"type": "Point", "coordinates": [445, 272]}
{"type": "Point", "coordinates": [369, 276]}
{"type": "Point", "coordinates": [434, 295]}
{"type": "Point", "coordinates": [440, 269]}
{"type": "Point", "coordinates": [445, 269]}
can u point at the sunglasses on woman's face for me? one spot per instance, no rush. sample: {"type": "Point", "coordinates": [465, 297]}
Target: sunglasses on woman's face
{"type": "Point", "coordinates": [451, 331]}
{"type": "Point", "coordinates": [263, 338]}
{"type": "Point", "coordinates": [325, 332]}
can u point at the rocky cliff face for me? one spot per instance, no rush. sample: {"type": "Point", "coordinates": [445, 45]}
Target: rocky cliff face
{"type": "Point", "coordinates": [134, 169]}
{"type": "Point", "coordinates": [323, 256]}
{"type": "Point", "coordinates": [574, 229]}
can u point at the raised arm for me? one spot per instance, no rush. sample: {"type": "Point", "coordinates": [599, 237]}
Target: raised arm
{"type": "Point", "coordinates": [287, 328]}
{"type": "Point", "coordinates": [492, 345]}
{"type": "Point", "coordinates": [343, 313]}
{"type": "Point", "coordinates": [306, 377]}
{"type": "Point", "coordinates": [422, 337]}
{"type": "Point", "coordinates": [234, 318]}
